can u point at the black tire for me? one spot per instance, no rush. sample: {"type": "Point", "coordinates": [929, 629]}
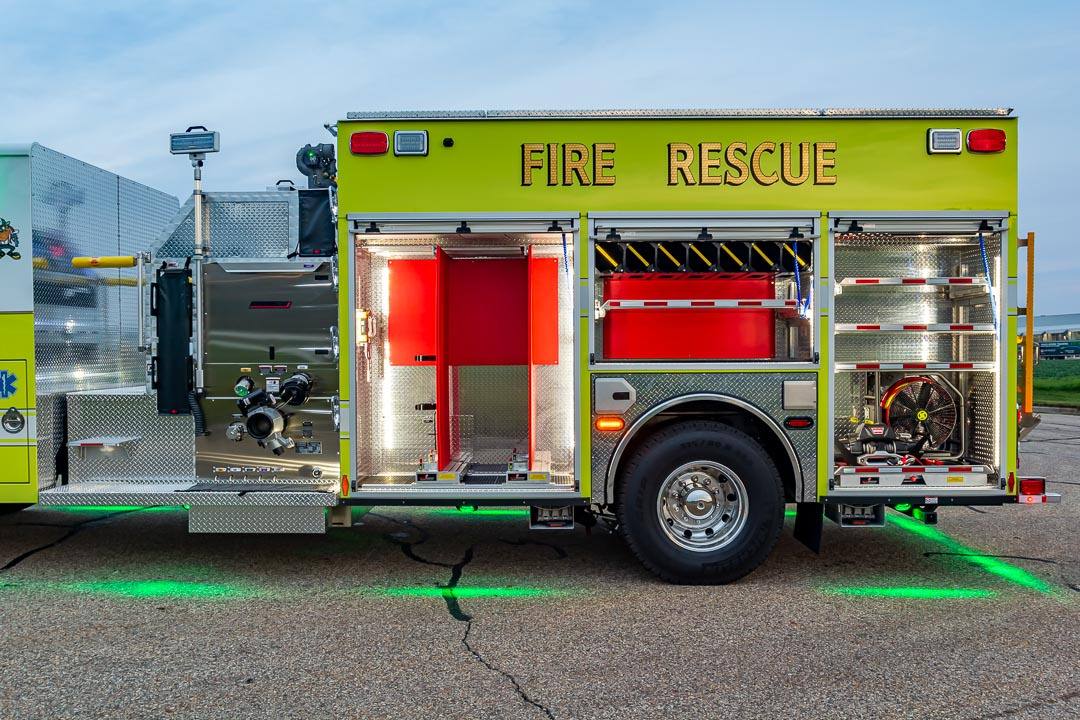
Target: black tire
{"type": "Point", "coordinates": [671, 448]}
{"type": "Point", "coordinates": [9, 508]}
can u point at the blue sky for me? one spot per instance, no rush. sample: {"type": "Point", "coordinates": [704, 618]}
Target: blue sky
{"type": "Point", "coordinates": [106, 82]}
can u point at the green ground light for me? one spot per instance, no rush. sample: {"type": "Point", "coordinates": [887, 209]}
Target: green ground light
{"type": "Point", "coordinates": [481, 512]}
{"type": "Point", "coordinates": [914, 593]}
{"type": "Point", "coordinates": [473, 592]}
{"type": "Point", "coordinates": [991, 565]}
{"type": "Point", "coordinates": [143, 589]}
{"type": "Point", "coordinates": [110, 508]}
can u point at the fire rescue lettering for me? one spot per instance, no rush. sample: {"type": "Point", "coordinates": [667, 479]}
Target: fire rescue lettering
{"type": "Point", "coordinates": [712, 158]}
{"type": "Point", "coordinates": [709, 163]}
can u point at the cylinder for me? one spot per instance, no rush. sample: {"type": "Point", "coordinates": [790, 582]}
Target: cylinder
{"type": "Point", "coordinates": [105, 261]}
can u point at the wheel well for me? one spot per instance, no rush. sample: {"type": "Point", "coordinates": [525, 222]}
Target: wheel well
{"type": "Point", "coordinates": [727, 414]}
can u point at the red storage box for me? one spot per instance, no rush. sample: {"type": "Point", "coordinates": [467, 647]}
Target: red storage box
{"type": "Point", "coordinates": [689, 333]}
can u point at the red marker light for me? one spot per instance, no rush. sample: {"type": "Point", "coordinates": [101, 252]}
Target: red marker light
{"type": "Point", "coordinates": [986, 140]}
{"type": "Point", "coordinates": [369, 142]}
{"type": "Point", "coordinates": [1032, 486]}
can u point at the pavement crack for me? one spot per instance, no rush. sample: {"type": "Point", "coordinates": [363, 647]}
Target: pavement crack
{"type": "Point", "coordinates": [453, 606]}
{"type": "Point", "coordinates": [72, 531]}
{"type": "Point", "coordinates": [1034, 705]}
{"type": "Point", "coordinates": [513, 681]}
{"type": "Point", "coordinates": [559, 552]}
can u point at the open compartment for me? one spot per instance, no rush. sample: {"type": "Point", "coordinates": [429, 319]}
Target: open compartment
{"type": "Point", "coordinates": [464, 358]}
{"type": "Point", "coordinates": [917, 350]}
{"type": "Point", "coordinates": [703, 289]}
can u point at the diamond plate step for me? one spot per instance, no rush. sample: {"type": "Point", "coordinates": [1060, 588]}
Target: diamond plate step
{"type": "Point", "coordinates": [125, 493]}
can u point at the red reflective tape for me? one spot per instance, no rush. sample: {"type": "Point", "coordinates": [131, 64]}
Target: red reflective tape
{"type": "Point", "coordinates": [867, 327]}
{"type": "Point", "coordinates": [866, 281]}
{"type": "Point", "coordinates": [915, 327]}
{"type": "Point", "coordinates": [701, 303]}
{"type": "Point", "coordinates": [749, 303]}
{"type": "Point", "coordinates": [914, 281]}
{"type": "Point", "coordinates": [866, 470]}
{"type": "Point", "coordinates": [962, 327]}
{"type": "Point", "coordinates": [655, 303]}
{"type": "Point", "coordinates": [962, 366]}
{"type": "Point", "coordinates": [961, 281]}
{"type": "Point", "coordinates": [914, 366]}
{"type": "Point", "coordinates": [867, 366]}
{"type": "Point", "coordinates": [959, 469]}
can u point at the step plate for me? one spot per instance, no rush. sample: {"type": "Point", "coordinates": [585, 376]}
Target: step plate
{"type": "Point", "coordinates": [256, 519]}
{"type": "Point", "coordinates": [175, 494]}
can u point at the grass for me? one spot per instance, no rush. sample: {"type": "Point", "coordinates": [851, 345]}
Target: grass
{"type": "Point", "coordinates": [1057, 382]}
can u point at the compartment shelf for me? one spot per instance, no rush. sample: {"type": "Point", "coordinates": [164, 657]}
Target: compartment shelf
{"type": "Point", "coordinates": [958, 328]}
{"type": "Point", "coordinates": [726, 303]}
{"type": "Point", "coordinates": [870, 282]}
{"type": "Point", "coordinates": [916, 365]}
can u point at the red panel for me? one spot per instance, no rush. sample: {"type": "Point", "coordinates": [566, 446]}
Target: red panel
{"type": "Point", "coordinates": [442, 365]}
{"type": "Point", "coordinates": [684, 333]}
{"type": "Point", "coordinates": [543, 311]}
{"type": "Point", "coordinates": [487, 314]}
{"type": "Point", "coordinates": [411, 326]}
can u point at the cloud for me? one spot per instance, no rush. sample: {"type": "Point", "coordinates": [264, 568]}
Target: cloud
{"type": "Point", "coordinates": [108, 82]}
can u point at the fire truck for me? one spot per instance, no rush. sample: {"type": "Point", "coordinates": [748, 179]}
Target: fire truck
{"type": "Point", "coordinates": [675, 322]}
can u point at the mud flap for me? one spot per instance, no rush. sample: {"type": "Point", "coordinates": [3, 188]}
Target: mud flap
{"type": "Point", "coordinates": [808, 523]}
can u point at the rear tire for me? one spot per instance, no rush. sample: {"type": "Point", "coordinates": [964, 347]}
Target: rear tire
{"type": "Point", "coordinates": [700, 502]}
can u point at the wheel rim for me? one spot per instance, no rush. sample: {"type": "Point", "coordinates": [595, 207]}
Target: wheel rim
{"type": "Point", "coordinates": [702, 506]}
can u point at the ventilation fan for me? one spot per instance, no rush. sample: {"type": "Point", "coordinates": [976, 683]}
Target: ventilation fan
{"type": "Point", "coordinates": [921, 409]}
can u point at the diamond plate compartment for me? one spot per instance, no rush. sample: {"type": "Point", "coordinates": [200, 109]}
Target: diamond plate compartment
{"type": "Point", "coordinates": [763, 390]}
{"type": "Point", "coordinates": [85, 321]}
{"type": "Point", "coordinates": [164, 448]}
{"type": "Point", "coordinates": [254, 519]}
{"type": "Point", "coordinates": [247, 225]}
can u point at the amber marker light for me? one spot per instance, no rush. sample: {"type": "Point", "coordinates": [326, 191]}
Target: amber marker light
{"type": "Point", "coordinates": [609, 424]}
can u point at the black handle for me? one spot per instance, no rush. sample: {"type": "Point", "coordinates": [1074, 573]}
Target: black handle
{"type": "Point", "coordinates": [153, 372]}
{"type": "Point", "coordinates": [426, 406]}
{"type": "Point", "coordinates": [153, 299]}
{"type": "Point", "coordinates": [424, 358]}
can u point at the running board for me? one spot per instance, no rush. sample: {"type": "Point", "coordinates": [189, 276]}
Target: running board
{"type": "Point", "coordinates": [212, 508]}
{"type": "Point", "coordinates": [452, 493]}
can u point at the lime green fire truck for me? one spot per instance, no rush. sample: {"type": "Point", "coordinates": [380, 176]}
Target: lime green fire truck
{"type": "Point", "coordinates": [676, 322]}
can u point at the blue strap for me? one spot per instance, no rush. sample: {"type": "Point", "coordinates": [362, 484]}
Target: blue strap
{"type": "Point", "coordinates": [798, 280]}
{"type": "Point", "coordinates": [989, 287]}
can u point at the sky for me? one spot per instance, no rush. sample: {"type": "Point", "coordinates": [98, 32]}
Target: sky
{"type": "Point", "coordinates": [107, 82]}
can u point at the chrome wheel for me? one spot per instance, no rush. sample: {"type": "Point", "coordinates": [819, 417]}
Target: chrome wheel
{"type": "Point", "coordinates": [702, 506]}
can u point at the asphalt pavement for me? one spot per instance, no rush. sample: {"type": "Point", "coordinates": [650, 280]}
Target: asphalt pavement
{"type": "Point", "coordinates": [436, 613]}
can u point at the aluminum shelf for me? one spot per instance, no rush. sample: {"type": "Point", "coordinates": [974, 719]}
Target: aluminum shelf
{"type": "Point", "coordinates": [892, 282]}
{"type": "Point", "coordinates": [916, 365]}
{"type": "Point", "coordinates": [956, 328]}
{"type": "Point", "coordinates": [703, 304]}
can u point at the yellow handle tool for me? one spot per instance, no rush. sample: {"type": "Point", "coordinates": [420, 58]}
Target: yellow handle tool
{"type": "Point", "coordinates": [105, 261]}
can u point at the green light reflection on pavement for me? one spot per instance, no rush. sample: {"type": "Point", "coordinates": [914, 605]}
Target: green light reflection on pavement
{"type": "Point", "coordinates": [991, 565]}
{"type": "Point", "coordinates": [912, 593]}
{"type": "Point", "coordinates": [482, 512]}
{"type": "Point", "coordinates": [473, 592]}
{"type": "Point", "coordinates": [153, 589]}
{"type": "Point", "coordinates": [110, 508]}
{"type": "Point", "coordinates": [141, 589]}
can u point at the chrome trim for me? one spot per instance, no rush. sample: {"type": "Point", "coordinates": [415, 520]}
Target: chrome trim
{"type": "Point", "coordinates": [681, 113]}
{"type": "Point", "coordinates": [616, 456]}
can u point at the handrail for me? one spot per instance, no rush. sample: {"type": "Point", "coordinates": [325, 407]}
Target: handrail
{"type": "Point", "coordinates": [1027, 404]}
